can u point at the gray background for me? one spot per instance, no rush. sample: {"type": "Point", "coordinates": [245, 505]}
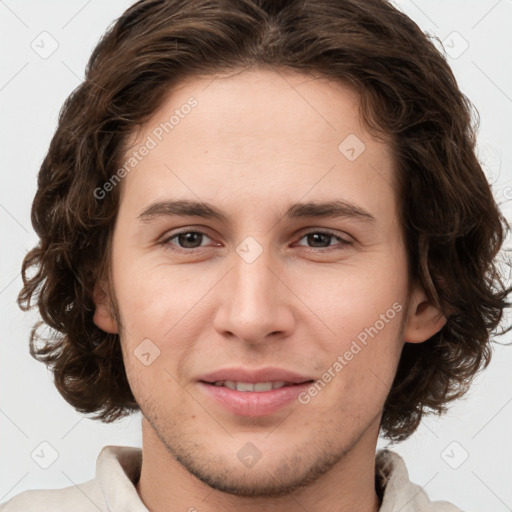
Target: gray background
{"type": "Point", "coordinates": [462, 457]}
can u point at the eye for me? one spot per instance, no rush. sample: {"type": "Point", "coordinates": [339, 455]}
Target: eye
{"type": "Point", "coordinates": [321, 239]}
{"type": "Point", "coordinates": [186, 240]}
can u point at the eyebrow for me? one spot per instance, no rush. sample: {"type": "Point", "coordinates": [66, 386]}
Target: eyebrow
{"type": "Point", "coordinates": [331, 209]}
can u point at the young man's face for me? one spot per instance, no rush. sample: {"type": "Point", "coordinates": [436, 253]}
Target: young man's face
{"type": "Point", "coordinates": [260, 289]}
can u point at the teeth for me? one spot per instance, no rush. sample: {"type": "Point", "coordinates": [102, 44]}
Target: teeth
{"type": "Point", "coordinates": [263, 386]}
{"type": "Point", "coordinates": [245, 386]}
{"type": "Point", "coordinates": [248, 386]}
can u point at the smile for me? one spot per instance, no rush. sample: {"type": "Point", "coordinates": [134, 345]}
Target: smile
{"type": "Point", "coordinates": [249, 386]}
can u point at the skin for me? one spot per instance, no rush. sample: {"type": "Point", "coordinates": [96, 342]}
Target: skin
{"type": "Point", "coordinates": [256, 142]}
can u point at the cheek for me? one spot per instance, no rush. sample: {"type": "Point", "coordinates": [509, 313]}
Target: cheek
{"type": "Point", "coordinates": [154, 343]}
{"type": "Point", "coordinates": [153, 298]}
{"type": "Point", "coordinates": [160, 309]}
{"type": "Point", "coordinates": [362, 310]}
{"type": "Point", "coordinates": [350, 298]}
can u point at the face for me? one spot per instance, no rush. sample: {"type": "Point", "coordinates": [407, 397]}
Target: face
{"type": "Point", "coordinates": [273, 287]}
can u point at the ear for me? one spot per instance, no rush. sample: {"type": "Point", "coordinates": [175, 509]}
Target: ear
{"type": "Point", "coordinates": [103, 316]}
{"type": "Point", "coordinates": [423, 319]}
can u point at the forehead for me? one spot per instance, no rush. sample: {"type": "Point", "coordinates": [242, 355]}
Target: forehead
{"type": "Point", "coordinates": [255, 135]}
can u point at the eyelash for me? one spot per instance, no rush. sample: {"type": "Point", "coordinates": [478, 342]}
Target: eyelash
{"type": "Point", "coordinates": [344, 243]}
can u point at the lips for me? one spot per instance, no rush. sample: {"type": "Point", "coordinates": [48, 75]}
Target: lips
{"type": "Point", "coordinates": [267, 374]}
{"type": "Point", "coordinates": [253, 393]}
{"type": "Point", "coordinates": [259, 387]}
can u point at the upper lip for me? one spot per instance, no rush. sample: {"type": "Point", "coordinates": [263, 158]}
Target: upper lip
{"type": "Point", "coordinates": [267, 374]}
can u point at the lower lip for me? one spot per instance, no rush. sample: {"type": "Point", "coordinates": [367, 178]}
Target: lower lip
{"type": "Point", "coordinates": [254, 403]}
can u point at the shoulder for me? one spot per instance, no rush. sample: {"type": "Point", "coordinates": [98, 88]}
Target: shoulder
{"type": "Point", "coordinates": [399, 492]}
{"type": "Point", "coordinates": [85, 497]}
{"type": "Point", "coordinates": [117, 468]}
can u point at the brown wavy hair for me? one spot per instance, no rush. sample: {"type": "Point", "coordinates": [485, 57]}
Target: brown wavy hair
{"type": "Point", "coordinates": [452, 224]}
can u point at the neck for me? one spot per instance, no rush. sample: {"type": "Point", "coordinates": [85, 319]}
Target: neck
{"type": "Point", "coordinates": [165, 485]}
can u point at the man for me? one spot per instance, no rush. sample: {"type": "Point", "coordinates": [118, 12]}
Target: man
{"type": "Point", "coordinates": [262, 224]}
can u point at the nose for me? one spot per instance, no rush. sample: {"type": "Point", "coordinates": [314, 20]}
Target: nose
{"type": "Point", "coordinates": [255, 302]}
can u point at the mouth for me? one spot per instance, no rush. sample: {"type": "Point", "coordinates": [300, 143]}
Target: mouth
{"type": "Point", "coordinates": [253, 399]}
{"type": "Point", "coordinates": [258, 387]}
{"type": "Point", "coordinates": [253, 392]}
